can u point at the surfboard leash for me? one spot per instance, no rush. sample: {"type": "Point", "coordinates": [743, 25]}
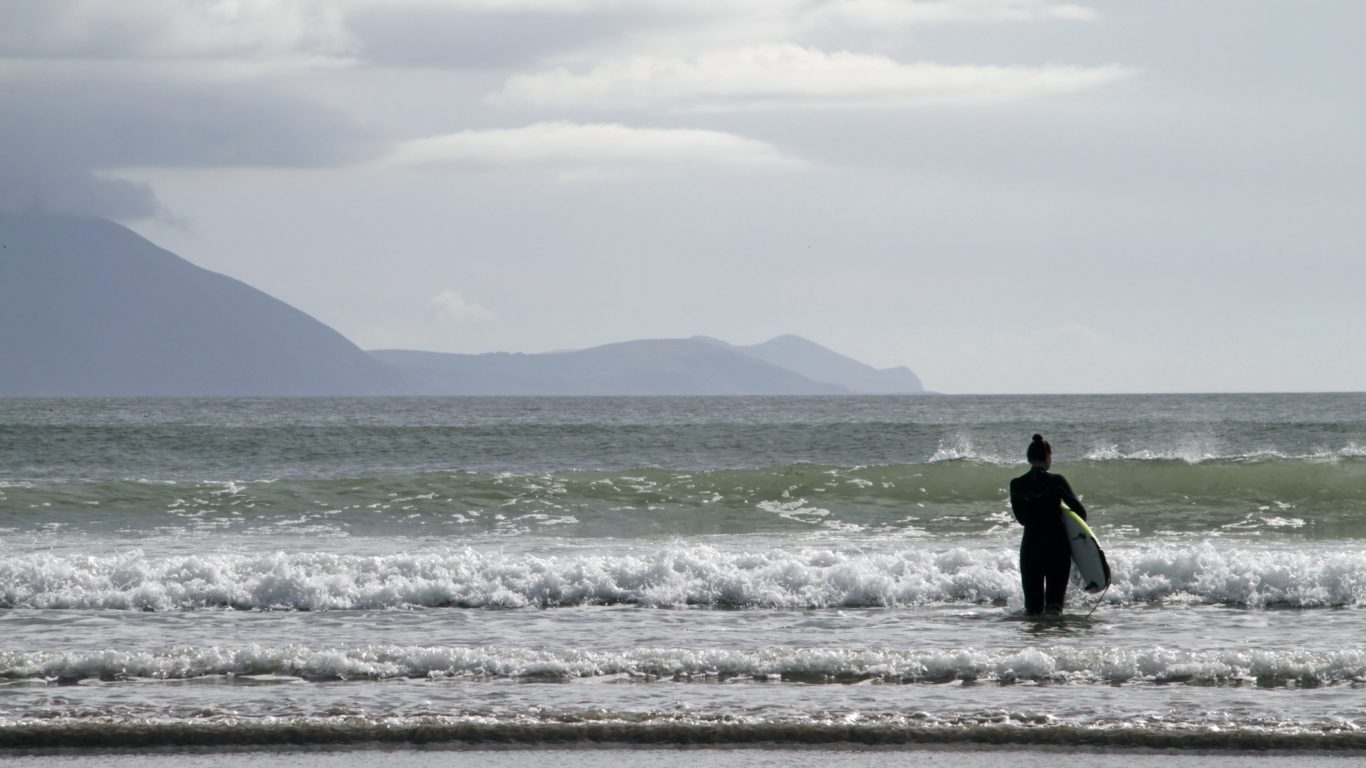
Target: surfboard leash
{"type": "Point", "coordinates": [1099, 600]}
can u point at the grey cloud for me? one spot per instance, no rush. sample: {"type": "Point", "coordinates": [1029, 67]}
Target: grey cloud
{"type": "Point", "coordinates": [51, 185]}
{"type": "Point", "coordinates": [107, 122]}
{"type": "Point", "coordinates": [170, 29]}
{"type": "Point", "coordinates": [56, 30]}
{"type": "Point", "coordinates": [60, 134]}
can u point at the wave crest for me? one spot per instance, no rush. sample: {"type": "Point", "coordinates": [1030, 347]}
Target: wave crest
{"type": "Point", "coordinates": [670, 576]}
{"type": "Point", "coordinates": [1059, 664]}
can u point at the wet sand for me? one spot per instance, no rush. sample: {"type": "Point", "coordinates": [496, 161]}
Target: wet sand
{"type": "Point", "coordinates": [755, 757]}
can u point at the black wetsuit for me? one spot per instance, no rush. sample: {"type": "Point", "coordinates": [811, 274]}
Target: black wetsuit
{"type": "Point", "coordinates": [1045, 554]}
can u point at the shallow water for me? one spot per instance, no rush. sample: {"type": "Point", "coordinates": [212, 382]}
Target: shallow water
{"type": "Point", "coordinates": [692, 570]}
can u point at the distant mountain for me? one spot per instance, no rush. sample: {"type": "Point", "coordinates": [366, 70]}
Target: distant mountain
{"type": "Point", "coordinates": [649, 367]}
{"type": "Point", "coordinates": [787, 365]}
{"type": "Point", "coordinates": [820, 364]}
{"type": "Point", "coordinates": [88, 307]}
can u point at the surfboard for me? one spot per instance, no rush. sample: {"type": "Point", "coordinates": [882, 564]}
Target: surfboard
{"type": "Point", "coordinates": [1087, 555]}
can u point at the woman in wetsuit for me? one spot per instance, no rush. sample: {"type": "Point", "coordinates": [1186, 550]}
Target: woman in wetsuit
{"type": "Point", "coordinates": [1045, 554]}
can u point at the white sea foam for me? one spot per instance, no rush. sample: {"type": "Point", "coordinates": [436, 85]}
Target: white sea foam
{"type": "Point", "coordinates": [796, 509]}
{"type": "Point", "coordinates": [964, 449]}
{"type": "Point", "coordinates": [1062, 663]}
{"type": "Point", "coordinates": [681, 574]}
{"type": "Point", "coordinates": [1192, 452]}
{"type": "Point", "coordinates": [1263, 576]}
{"type": "Point", "coordinates": [1197, 452]}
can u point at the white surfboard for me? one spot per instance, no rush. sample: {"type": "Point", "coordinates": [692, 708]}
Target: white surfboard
{"type": "Point", "coordinates": [1087, 555]}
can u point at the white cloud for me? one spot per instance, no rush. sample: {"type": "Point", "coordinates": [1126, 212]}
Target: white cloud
{"type": "Point", "coordinates": [786, 76]}
{"type": "Point", "coordinates": [250, 38]}
{"type": "Point", "coordinates": [451, 305]}
{"type": "Point", "coordinates": [900, 13]}
{"type": "Point", "coordinates": [861, 11]}
{"type": "Point", "coordinates": [687, 28]}
{"type": "Point", "coordinates": [262, 31]}
{"type": "Point", "coordinates": [507, 6]}
{"type": "Point", "coordinates": [572, 150]}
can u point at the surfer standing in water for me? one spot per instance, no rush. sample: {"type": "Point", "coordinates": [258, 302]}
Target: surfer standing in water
{"type": "Point", "coordinates": [1045, 554]}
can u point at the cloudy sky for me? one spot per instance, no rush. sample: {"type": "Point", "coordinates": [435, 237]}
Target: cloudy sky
{"type": "Point", "coordinates": [1004, 195]}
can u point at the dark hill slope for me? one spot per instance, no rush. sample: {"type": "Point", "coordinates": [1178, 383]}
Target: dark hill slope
{"type": "Point", "coordinates": [88, 307]}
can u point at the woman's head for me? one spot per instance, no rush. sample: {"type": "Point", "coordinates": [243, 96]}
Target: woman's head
{"type": "Point", "coordinates": [1040, 453]}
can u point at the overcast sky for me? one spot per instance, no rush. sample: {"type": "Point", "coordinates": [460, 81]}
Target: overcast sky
{"type": "Point", "coordinates": [1004, 195]}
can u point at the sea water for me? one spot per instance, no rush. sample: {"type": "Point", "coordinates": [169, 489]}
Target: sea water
{"type": "Point", "coordinates": [689, 571]}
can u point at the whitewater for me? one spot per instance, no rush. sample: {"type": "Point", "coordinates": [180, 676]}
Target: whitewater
{"type": "Point", "coordinates": [675, 571]}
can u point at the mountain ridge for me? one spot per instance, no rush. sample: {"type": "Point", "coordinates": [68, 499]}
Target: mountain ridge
{"type": "Point", "coordinates": [636, 367]}
{"type": "Point", "coordinates": [91, 308]}
{"type": "Point", "coordinates": [814, 361]}
{"type": "Point", "coordinates": [699, 365]}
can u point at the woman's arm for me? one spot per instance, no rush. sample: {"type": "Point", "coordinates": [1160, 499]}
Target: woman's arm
{"type": "Point", "coordinates": [1069, 498]}
{"type": "Point", "coordinates": [1017, 505]}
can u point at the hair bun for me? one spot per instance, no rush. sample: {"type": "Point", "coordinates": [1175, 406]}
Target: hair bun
{"type": "Point", "coordinates": [1038, 438]}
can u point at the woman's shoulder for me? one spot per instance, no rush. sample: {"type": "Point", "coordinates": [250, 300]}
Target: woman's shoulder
{"type": "Point", "coordinates": [1040, 477]}
{"type": "Point", "coordinates": [1032, 478]}
{"type": "Point", "coordinates": [1057, 480]}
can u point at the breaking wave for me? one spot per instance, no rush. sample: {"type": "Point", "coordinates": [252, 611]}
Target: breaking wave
{"type": "Point", "coordinates": [1055, 664]}
{"type": "Point", "coordinates": [677, 575]}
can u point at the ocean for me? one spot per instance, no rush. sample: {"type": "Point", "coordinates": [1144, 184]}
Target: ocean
{"type": "Point", "coordinates": [801, 572]}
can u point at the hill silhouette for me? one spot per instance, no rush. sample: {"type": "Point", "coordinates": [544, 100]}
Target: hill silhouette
{"type": "Point", "coordinates": [787, 365]}
{"type": "Point", "coordinates": [643, 367]}
{"type": "Point", "coordinates": [88, 307]}
{"type": "Point", "coordinates": [822, 364]}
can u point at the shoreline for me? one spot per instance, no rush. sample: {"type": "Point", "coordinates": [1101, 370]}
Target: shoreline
{"type": "Point", "coordinates": [665, 756]}
{"type": "Point", "coordinates": [349, 733]}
